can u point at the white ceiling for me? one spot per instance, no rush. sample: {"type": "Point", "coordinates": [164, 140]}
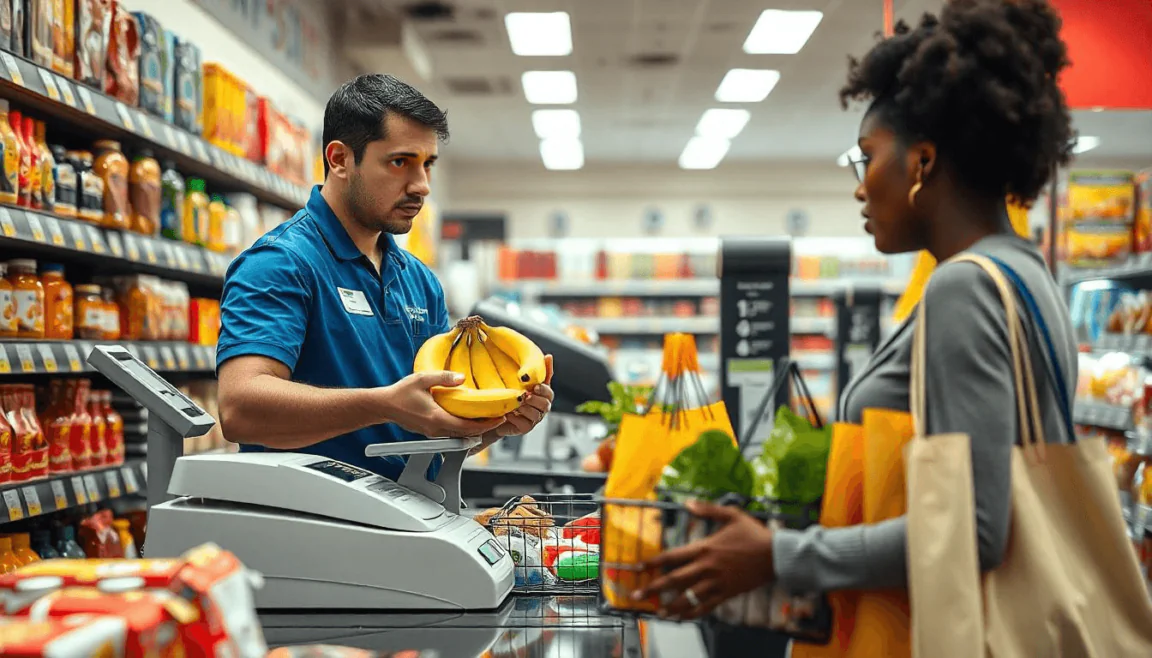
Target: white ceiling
{"type": "Point", "coordinates": [646, 114]}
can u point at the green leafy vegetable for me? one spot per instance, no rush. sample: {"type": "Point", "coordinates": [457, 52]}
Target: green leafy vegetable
{"type": "Point", "coordinates": [708, 469]}
{"type": "Point", "coordinates": [625, 400]}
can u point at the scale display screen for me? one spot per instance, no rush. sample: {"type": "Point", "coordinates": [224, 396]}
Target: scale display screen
{"type": "Point", "coordinates": [491, 552]}
{"type": "Point", "coordinates": [340, 470]}
{"type": "Point", "coordinates": [149, 378]}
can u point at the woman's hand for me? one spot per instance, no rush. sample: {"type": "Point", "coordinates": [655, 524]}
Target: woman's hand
{"type": "Point", "coordinates": [737, 558]}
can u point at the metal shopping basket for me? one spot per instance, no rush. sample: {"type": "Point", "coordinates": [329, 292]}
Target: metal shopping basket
{"type": "Point", "coordinates": [554, 541]}
{"type": "Point", "coordinates": [634, 531]}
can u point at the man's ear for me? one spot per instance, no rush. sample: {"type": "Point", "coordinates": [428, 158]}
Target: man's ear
{"type": "Point", "coordinates": [340, 158]}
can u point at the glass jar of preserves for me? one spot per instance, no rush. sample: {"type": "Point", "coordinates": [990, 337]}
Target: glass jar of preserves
{"type": "Point", "coordinates": [58, 318]}
{"type": "Point", "coordinates": [111, 167]}
{"type": "Point", "coordinates": [113, 318]}
{"type": "Point", "coordinates": [9, 323]}
{"type": "Point", "coordinates": [28, 293]}
{"type": "Point", "coordinates": [90, 311]}
{"type": "Point", "coordinates": [144, 193]}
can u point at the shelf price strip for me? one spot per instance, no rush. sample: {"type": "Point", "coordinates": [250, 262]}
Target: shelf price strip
{"type": "Point", "coordinates": [12, 501]}
{"type": "Point", "coordinates": [79, 491]}
{"type": "Point", "coordinates": [32, 499]}
{"type": "Point", "coordinates": [58, 493]}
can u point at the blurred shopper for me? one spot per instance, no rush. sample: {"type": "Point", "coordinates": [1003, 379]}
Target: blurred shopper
{"type": "Point", "coordinates": [965, 113]}
{"type": "Point", "coordinates": [322, 317]}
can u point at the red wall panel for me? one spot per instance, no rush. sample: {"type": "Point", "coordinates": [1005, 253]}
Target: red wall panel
{"type": "Point", "coordinates": [1110, 45]}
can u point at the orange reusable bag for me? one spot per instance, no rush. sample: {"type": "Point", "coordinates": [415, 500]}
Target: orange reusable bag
{"type": "Point", "coordinates": [865, 484]}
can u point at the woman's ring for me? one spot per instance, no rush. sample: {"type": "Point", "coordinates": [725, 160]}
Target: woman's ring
{"type": "Point", "coordinates": [691, 596]}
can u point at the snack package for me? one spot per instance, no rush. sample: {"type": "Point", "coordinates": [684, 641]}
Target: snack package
{"type": "Point", "coordinates": [1142, 232]}
{"type": "Point", "coordinates": [63, 37]}
{"type": "Point", "coordinates": [19, 26]}
{"type": "Point", "coordinates": [74, 636]}
{"type": "Point", "coordinates": [41, 18]}
{"type": "Point", "coordinates": [155, 66]}
{"type": "Point", "coordinates": [156, 623]}
{"type": "Point", "coordinates": [5, 25]}
{"type": "Point", "coordinates": [527, 554]}
{"type": "Point", "coordinates": [212, 580]}
{"type": "Point", "coordinates": [1098, 216]}
{"type": "Point", "coordinates": [188, 96]}
{"type": "Point", "coordinates": [122, 66]}
{"type": "Point", "coordinates": [93, 25]}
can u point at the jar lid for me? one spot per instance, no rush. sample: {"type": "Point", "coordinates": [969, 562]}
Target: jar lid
{"type": "Point", "coordinates": [107, 144]}
{"type": "Point", "coordinates": [51, 267]}
{"type": "Point", "coordinates": [22, 264]}
{"type": "Point", "coordinates": [88, 289]}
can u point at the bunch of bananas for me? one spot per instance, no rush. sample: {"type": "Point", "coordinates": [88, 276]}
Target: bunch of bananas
{"type": "Point", "coordinates": [498, 364]}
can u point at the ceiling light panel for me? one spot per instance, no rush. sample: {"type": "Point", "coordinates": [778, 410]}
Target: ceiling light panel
{"type": "Point", "coordinates": [722, 123]}
{"type": "Point", "coordinates": [779, 32]}
{"type": "Point", "coordinates": [1085, 143]}
{"type": "Point", "coordinates": [556, 123]}
{"type": "Point", "coordinates": [539, 34]}
{"type": "Point", "coordinates": [747, 85]}
{"type": "Point", "coordinates": [549, 87]}
{"type": "Point", "coordinates": [704, 153]}
{"type": "Point", "coordinates": [562, 154]}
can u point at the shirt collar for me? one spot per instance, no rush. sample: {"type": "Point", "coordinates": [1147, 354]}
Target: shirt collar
{"type": "Point", "coordinates": [337, 238]}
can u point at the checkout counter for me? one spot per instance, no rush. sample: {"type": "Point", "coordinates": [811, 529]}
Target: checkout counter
{"type": "Point", "coordinates": [411, 573]}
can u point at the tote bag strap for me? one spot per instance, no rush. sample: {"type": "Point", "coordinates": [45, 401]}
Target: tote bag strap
{"type": "Point", "coordinates": [1031, 427]}
{"type": "Point", "coordinates": [1054, 368]}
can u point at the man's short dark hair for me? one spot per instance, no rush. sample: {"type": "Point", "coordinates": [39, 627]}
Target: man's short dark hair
{"type": "Point", "coordinates": [356, 112]}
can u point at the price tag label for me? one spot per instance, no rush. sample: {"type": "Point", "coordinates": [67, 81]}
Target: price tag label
{"type": "Point", "coordinates": [33, 501]}
{"type": "Point", "coordinates": [181, 257]}
{"type": "Point", "coordinates": [59, 494]}
{"type": "Point", "coordinates": [201, 152]}
{"type": "Point", "coordinates": [97, 240]}
{"type": "Point", "coordinates": [15, 509]}
{"type": "Point", "coordinates": [14, 73]}
{"type": "Point", "coordinates": [125, 117]}
{"type": "Point", "coordinates": [134, 351]}
{"type": "Point", "coordinates": [168, 357]}
{"type": "Point", "coordinates": [151, 357]}
{"type": "Point", "coordinates": [201, 360]}
{"type": "Point", "coordinates": [145, 125]}
{"type": "Point", "coordinates": [24, 355]}
{"type": "Point", "coordinates": [36, 227]}
{"type": "Point", "coordinates": [93, 489]}
{"type": "Point", "coordinates": [78, 239]}
{"type": "Point", "coordinates": [169, 254]}
{"type": "Point", "coordinates": [49, 85]}
{"type": "Point", "coordinates": [5, 366]}
{"type": "Point", "coordinates": [131, 248]}
{"type": "Point", "coordinates": [149, 251]}
{"type": "Point", "coordinates": [130, 484]}
{"type": "Point", "coordinates": [144, 472]}
{"type": "Point", "coordinates": [66, 91]}
{"type": "Point", "coordinates": [79, 491]}
{"type": "Point", "coordinates": [86, 99]}
{"type": "Point", "coordinates": [182, 356]}
{"type": "Point", "coordinates": [73, 357]}
{"type": "Point", "coordinates": [47, 357]}
{"type": "Point", "coordinates": [115, 245]}
{"type": "Point", "coordinates": [54, 233]}
{"type": "Point", "coordinates": [182, 143]}
{"type": "Point", "coordinates": [112, 478]}
{"type": "Point", "coordinates": [6, 223]}
{"type": "Point", "coordinates": [197, 260]}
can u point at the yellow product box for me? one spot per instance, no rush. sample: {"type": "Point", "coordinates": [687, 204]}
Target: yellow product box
{"type": "Point", "coordinates": [1098, 214]}
{"type": "Point", "coordinates": [225, 109]}
{"type": "Point", "coordinates": [1142, 234]}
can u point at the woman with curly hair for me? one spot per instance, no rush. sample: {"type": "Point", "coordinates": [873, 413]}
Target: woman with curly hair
{"type": "Point", "coordinates": [965, 114]}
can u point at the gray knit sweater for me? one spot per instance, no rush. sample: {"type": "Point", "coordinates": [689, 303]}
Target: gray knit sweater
{"type": "Point", "coordinates": [970, 390]}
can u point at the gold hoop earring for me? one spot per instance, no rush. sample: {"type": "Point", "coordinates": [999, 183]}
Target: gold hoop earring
{"type": "Point", "coordinates": [913, 192]}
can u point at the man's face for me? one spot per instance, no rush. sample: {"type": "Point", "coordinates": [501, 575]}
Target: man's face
{"type": "Point", "coordinates": [386, 190]}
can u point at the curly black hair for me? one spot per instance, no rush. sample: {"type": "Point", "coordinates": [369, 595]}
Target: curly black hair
{"type": "Point", "coordinates": [980, 82]}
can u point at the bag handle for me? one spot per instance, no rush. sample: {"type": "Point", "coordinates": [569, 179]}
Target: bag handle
{"type": "Point", "coordinates": [1031, 426]}
{"type": "Point", "coordinates": [1054, 370]}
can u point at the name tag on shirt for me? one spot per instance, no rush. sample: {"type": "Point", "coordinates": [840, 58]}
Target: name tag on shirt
{"type": "Point", "coordinates": [354, 301]}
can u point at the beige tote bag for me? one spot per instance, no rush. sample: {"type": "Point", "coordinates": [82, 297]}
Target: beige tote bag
{"type": "Point", "coordinates": [1069, 586]}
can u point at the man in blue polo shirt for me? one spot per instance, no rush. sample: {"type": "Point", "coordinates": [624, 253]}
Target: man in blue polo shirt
{"type": "Point", "coordinates": [322, 317]}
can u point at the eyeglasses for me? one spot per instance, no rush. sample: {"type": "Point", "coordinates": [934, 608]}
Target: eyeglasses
{"type": "Point", "coordinates": [860, 166]}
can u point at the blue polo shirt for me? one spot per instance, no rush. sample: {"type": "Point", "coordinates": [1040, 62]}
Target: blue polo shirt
{"type": "Point", "coordinates": [304, 295]}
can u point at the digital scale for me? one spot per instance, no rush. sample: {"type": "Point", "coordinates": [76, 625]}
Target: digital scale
{"type": "Point", "coordinates": [324, 534]}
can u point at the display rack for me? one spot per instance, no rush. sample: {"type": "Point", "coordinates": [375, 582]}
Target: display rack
{"type": "Point", "coordinates": [39, 357]}
{"type": "Point", "coordinates": [24, 500]}
{"type": "Point", "coordinates": [54, 96]}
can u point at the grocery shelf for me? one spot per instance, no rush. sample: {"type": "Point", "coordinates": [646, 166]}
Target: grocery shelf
{"type": "Point", "coordinates": [24, 500]}
{"type": "Point", "coordinates": [1099, 414]}
{"type": "Point", "coordinates": [1137, 267]}
{"type": "Point", "coordinates": [50, 94]}
{"type": "Point", "coordinates": [822, 326]}
{"type": "Point", "coordinates": [654, 325]}
{"type": "Point", "coordinates": [1130, 343]}
{"type": "Point", "coordinates": [43, 357]}
{"type": "Point", "coordinates": [814, 359]}
{"type": "Point", "coordinates": [36, 233]}
{"type": "Point", "coordinates": [699, 287]}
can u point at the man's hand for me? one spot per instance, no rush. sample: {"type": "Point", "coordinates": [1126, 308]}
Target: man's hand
{"type": "Point", "coordinates": [537, 403]}
{"type": "Point", "coordinates": [410, 405]}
